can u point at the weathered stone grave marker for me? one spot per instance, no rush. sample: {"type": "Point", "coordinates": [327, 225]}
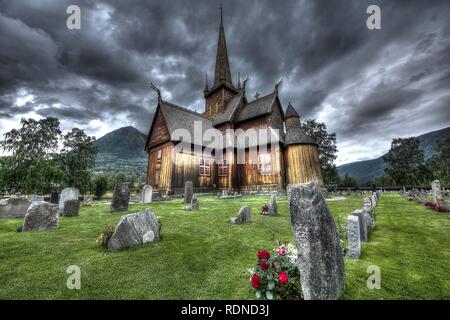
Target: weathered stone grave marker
{"type": "Point", "coordinates": [67, 194]}
{"type": "Point", "coordinates": [320, 262]}
{"type": "Point", "coordinates": [188, 191]}
{"type": "Point", "coordinates": [354, 240]}
{"type": "Point", "coordinates": [121, 197]}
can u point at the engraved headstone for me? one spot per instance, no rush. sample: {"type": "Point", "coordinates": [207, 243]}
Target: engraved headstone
{"type": "Point", "coordinates": [147, 194]}
{"type": "Point", "coordinates": [354, 241]}
{"type": "Point", "coordinates": [67, 194]}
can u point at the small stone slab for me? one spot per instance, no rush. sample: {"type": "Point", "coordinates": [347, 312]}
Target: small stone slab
{"type": "Point", "coordinates": [71, 208]}
{"type": "Point", "coordinates": [243, 216]}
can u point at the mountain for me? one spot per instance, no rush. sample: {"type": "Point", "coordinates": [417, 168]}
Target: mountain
{"type": "Point", "coordinates": [366, 171]}
{"type": "Point", "coordinates": [122, 150]}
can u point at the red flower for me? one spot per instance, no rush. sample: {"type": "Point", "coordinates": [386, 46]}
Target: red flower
{"type": "Point", "coordinates": [263, 254]}
{"type": "Point", "coordinates": [256, 281]}
{"type": "Point", "coordinates": [283, 277]}
{"type": "Point", "coordinates": [264, 265]}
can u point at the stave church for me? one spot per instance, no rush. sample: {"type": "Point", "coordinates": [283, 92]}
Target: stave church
{"type": "Point", "coordinates": [294, 160]}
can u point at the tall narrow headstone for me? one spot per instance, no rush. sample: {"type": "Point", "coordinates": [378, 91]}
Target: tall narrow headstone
{"type": "Point", "coordinates": [188, 191]}
{"type": "Point", "coordinates": [363, 224]}
{"type": "Point", "coordinates": [147, 194]}
{"type": "Point", "coordinates": [320, 262]}
{"type": "Point", "coordinates": [354, 241]}
{"type": "Point", "coordinates": [437, 193]}
{"type": "Point", "coordinates": [273, 208]}
{"type": "Point", "coordinates": [121, 197]}
{"type": "Point", "coordinates": [67, 194]}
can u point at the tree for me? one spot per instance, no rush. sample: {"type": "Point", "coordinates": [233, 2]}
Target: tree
{"type": "Point", "coordinates": [33, 164]}
{"type": "Point", "coordinates": [439, 164]}
{"type": "Point", "coordinates": [100, 185]}
{"type": "Point", "coordinates": [327, 149]}
{"type": "Point", "coordinates": [348, 182]}
{"type": "Point", "coordinates": [78, 155]}
{"type": "Point", "coordinates": [405, 161]}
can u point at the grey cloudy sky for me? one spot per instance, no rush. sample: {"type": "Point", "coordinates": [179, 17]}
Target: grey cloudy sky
{"type": "Point", "coordinates": [367, 86]}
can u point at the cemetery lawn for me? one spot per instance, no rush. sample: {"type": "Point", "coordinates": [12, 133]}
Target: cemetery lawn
{"type": "Point", "coordinates": [201, 256]}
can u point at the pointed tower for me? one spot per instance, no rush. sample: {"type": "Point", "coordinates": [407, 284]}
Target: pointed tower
{"type": "Point", "coordinates": [301, 153]}
{"type": "Point", "coordinates": [223, 89]}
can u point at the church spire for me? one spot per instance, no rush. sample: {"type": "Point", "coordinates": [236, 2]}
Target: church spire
{"type": "Point", "coordinates": [222, 72]}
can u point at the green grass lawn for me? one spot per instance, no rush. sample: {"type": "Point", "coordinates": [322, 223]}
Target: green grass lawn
{"type": "Point", "coordinates": [201, 256]}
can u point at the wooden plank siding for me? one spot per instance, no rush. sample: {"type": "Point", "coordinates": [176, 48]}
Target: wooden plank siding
{"type": "Point", "coordinates": [159, 174]}
{"type": "Point", "coordinates": [250, 178]}
{"type": "Point", "coordinates": [302, 164]}
{"type": "Point", "coordinates": [186, 168]}
{"type": "Point", "coordinates": [160, 133]}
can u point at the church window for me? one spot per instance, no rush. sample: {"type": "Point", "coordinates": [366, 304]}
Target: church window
{"type": "Point", "coordinates": [205, 167]}
{"type": "Point", "coordinates": [223, 168]}
{"type": "Point", "coordinates": [264, 163]}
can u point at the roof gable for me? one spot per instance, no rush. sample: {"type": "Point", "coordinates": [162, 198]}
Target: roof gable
{"type": "Point", "coordinates": [257, 107]}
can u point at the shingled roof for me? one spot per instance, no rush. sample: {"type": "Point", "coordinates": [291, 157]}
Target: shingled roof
{"type": "Point", "coordinates": [298, 136]}
{"type": "Point", "coordinates": [256, 108]}
{"type": "Point", "coordinates": [291, 112]}
{"type": "Point", "coordinates": [230, 110]}
{"type": "Point", "coordinates": [182, 118]}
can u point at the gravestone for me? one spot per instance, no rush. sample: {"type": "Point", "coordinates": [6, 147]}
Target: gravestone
{"type": "Point", "coordinates": [363, 224]}
{"type": "Point", "coordinates": [54, 197]}
{"type": "Point", "coordinates": [243, 216]}
{"type": "Point", "coordinates": [88, 200]}
{"type": "Point", "coordinates": [438, 199]}
{"type": "Point", "coordinates": [374, 200]}
{"type": "Point", "coordinates": [188, 191]}
{"type": "Point", "coordinates": [121, 197]}
{"type": "Point", "coordinates": [67, 194]}
{"type": "Point", "coordinates": [15, 207]}
{"type": "Point", "coordinates": [273, 207]}
{"type": "Point", "coordinates": [147, 194]}
{"type": "Point", "coordinates": [194, 203]}
{"type": "Point", "coordinates": [225, 193]}
{"type": "Point", "coordinates": [135, 229]}
{"type": "Point", "coordinates": [354, 241]}
{"type": "Point", "coordinates": [367, 202]}
{"type": "Point", "coordinates": [43, 216]}
{"type": "Point", "coordinates": [71, 208]}
{"type": "Point", "coordinates": [321, 263]}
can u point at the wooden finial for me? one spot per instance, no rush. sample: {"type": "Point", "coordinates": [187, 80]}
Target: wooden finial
{"type": "Point", "coordinates": [156, 89]}
{"type": "Point", "coordinates": [278, 84]}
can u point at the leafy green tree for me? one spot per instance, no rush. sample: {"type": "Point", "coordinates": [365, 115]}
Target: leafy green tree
{"type": "Point", "coordinates": [32, 166]}
{"type": "Point", "coordinates": [348, 182]}
{"type": "Point", "coordinates": [78, 156]}
{"type": "Point", "coordinates": [101, 183]}
{"type": "Point", "coordinates": [439, 164]}
{"type": "Point", "coordinates": [405, 161]}
{"type": "Point", "coordinates": [327, 149]}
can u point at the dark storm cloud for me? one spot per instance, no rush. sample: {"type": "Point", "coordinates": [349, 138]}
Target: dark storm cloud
{"type": "Point", "coordinates": [333, 67]}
